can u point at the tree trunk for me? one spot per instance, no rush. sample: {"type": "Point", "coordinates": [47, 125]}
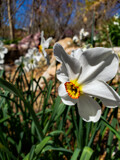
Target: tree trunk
{"type": "Point", "coordinates": [10, 19]}
{"type": "Point", "coordinates": [31, 17]}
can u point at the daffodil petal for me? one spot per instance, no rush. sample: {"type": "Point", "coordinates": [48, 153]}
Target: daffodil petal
{"type": "Point", "coordinates": [77, 53]}
{"type": "Point", "coordinates": [64, 96]}
{"type": "Point", "coordinates": [62, 74]}
{"type": "Point", "coordinates": [71, 64]}
{"type": "Point", "coordinates": [38, 57]}
{"type": "Point", "coordinates": [44, 52]}
{"type": "Point", "coordinates": [46, 56]}
{"type": "Point", "coordinates": [42, 38]}
{"type": "Point", "coordinates": [2, 55]}
{"type": "Point", "coordinates": [5, 50]}
{"type": "Point", "coordinates": [109, 103]}
{"type": "Point", "coordinates": [1, 61]}
{"type": "Point", "coordinates": [1, 44]}
{"type": "Point", "coordinates": [98, 63]}
{"type": "Point", "coordinates": [104, 92]}
{"type": "Point", "coordinates": [88, 109]}
{"type": "Point", "coordinates": [47, 42]}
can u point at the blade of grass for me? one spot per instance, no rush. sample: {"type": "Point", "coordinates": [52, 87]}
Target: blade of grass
{"type": "Point", "coordinates": [111, 128]}
{"type": "Point", "coordinates": [75, 154]}
{"type": "Point", "coordinates": [10, 87]}
{"type": "Point", "coordinates": [4, 149]}
{"type": "Point", "coordinates": [86, 154]}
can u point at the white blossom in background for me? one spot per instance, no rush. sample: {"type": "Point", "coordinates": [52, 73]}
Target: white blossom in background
{"type": "Point", "coordinates": [32, 60]}
{"type": "Point", "coordinates": [85, 47]}
{"type": "Point", "coordinates": [116, 23]}
{"type": "Point", "coordinates": [83, 34]}
{"type": "Point", "coordinates": [75, 39]}
{"type": "Point", "coordinates": [23, 61]}
{"type": "Point", "coordinates": [34, 52]}
{"type": "Point", "coordinates": [3, 51]}
{"type": "Point", "coordinates": [116, 16]}
{"type": "Point", "coordinates": [95, 38]}
{"type": "Point", "coordinates": [107, 28]}
{"type": "Point", "coordinates": [83, 76]}
{"type": "Point", "coordinates": [44, 45]}
{"type": "Point", "coordinates": [32, 63]}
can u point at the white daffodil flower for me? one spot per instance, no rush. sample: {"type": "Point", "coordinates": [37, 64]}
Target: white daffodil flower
{"type": "Point", "coordinates": [83, 34]}
{"type": "Point", "coordinates": [23, 61]}
{"type": "Point", "coordinates": [95, 38]}
{"type": "Point", "coordinates": [3, 50]}
{"type": "Point", "coordinates": [75, 39]}
{"type": "Point", "coordinates": [32, 62]}
{"type": "Point", "coordinates": [44, 45]}
{"type": "Point", "coordinates": [116, 16]}
{"type": "Point", "coordinates": [116, 23]}
{"type": "Point", "coordinates": [34, 52]}
{"type": "Point", "coordinates": [84, 76]}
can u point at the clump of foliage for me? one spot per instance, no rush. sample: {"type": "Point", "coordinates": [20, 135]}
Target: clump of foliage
{"type": "Point", "coordinates": [8, 41]}
{"type": "Point", "coordinates": [114, 31]}
{"type": "Point", "coordinates": [34, 124]}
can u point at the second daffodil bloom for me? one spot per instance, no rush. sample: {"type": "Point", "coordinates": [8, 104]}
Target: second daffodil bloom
{"type": "Point", "coordinates": [84, 76]}
{"type": "Point", "coordinates": [44, 45]}
{"type": "Point", "coordinates": [3, 51]}
{"type": "Point", "coordinates": [23, 61]}
{"type": "Point", "coordinates": [34, 52]}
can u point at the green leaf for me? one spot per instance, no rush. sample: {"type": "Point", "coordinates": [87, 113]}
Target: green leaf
{"type": "Point", "coordinates": [27, 157]}
{"type": "Point", "coordinates": [60, 149]}
{"type": "Point", "coordinates": [111, 128]}
{"type": "Point", "coordinates": [75, 154]}
{"type": "Point", "coordinates": [31, 155]}
{"type": "Point", "coordinates": [4, 149]}
{"type": "Point", "coordinates": [56, 133]}
{"type": "Point", "coordinates": [4, 119]}
{"type": "Point", "coordinates": [41, 145]}
{"type": "Point", "coordinates": [86, 154]}
{"type": "Point", "coordinates": [56, 113]}
{"type": "Point", "coordinates": [60, 110]}
{"type": "Point", "coordinates": [10, 87]}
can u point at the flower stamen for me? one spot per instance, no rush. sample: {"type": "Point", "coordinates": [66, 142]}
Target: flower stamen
{"type": "Point", "coordinates": [73, 90]}
{"type": "Point", "coordinates": [40, 48]}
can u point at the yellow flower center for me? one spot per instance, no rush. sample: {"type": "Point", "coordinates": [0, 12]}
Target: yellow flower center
{"type": "Point", "coordinates": [73, 89]}
{"type": "Point", "coordinates": [31, 61]}
{"type": "Point", "coordinates": [40, 48]}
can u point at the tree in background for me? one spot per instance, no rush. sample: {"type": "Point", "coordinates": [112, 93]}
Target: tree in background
{"type": "Point", "coordinates": [98, 11]}
{"type": "Point", "coordinates": [10, 19]}
{"type": "Point", "coordinates": [55, 17]}
{"type": "Point", "coordinates": [52, 16]}
{"type": "Point", "coordinates": [8, 11]}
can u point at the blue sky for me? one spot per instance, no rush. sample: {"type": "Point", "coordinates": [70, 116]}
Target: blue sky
{"type": "Point", "coordinates": [21, 16]}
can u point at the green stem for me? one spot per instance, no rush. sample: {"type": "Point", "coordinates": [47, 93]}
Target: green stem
{"type": "Point", "coordinates": [32, 74]}
{"type": "Point", "coordinates": [92, 35]}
